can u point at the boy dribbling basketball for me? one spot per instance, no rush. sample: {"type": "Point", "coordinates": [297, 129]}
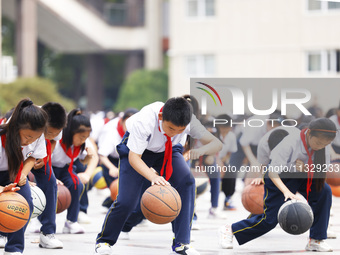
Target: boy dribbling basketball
{"type": "Point", "coordinates": [148, 142]}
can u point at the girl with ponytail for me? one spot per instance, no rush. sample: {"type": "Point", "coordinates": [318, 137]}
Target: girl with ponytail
{"type": "Point", "coordinates": [72, 152]}
{"type": "Point", "coordinates": [20, 145]}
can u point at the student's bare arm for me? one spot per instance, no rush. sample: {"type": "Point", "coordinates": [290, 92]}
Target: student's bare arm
{"type": "Point", "coordinates": [211, 145]}
{"type": "Point", "coordinates": [281, 186]}
{"type": "Point", "coordinates": [28, 165]}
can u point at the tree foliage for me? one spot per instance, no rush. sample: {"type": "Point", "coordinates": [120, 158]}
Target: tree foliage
{"type": "Point", "coordinates": [38, 90]}
{"type": "Point", "coordinates": [143, 87]}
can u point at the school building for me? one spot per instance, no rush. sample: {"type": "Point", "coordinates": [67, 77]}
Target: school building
{"type": "Point", "coordinates": [252, 38]}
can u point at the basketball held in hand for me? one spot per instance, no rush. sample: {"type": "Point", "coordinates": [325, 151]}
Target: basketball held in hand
{"type": "Point", "coordinates": [14, 212]}
{"type": "Point", "coordinates": [295, 217]}
{"type": "Point", "coordinates": [252, 198]}
{"type": "Point", "coordinates": [161, 204]}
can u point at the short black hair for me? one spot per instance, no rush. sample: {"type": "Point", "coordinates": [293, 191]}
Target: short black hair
{"type": "Point", "coordinates": [276, 137]}
{"type": "Point", "coordinates": [129, 112]}
{"type": "Point", "coordinates": [56, 115]}
{"type": "Point", "coordinates": [178, 111]}
{"type": "Point", "coordinates": [224, 117]}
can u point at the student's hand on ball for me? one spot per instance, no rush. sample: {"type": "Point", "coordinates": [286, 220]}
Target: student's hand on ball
{"type": "Point", "coordinates": [256, 181]}
{"type": "Point", "coordinates": [159, 180]}
{"type": "Point", "coordinates": [289, 195]}
{"type": "Point", "coordinates": [9, 187]}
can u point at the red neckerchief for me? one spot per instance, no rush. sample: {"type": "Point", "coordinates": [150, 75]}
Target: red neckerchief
{"type": "Point", "coordinates": [120, 128]}
{"type": "Point", "coordinates": [17, 178]}
{"type": "Point", "coordinates": [339, 120]}
{"type": "Point", "coordinates": [167, 156]}
{"type": "Point", "coordinates": [76, 151]}
{"type": "Point", "coordinates": [49, 152]}
{"type": "Point", "coordinates": [106, 120]}
{"type": "Point", "coordinates": [310, 161]}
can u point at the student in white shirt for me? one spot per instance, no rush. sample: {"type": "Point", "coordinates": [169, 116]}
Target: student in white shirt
{"type": "Point", "coordinates": [152, 139]}
{"type": "Point", "coordinates": [20, 145]}
{"type": "Point", "coordinates": [73, 146]}
{"type": "Point", "coordinates": [45, 177]}
{"type": "Point", "coordinates": [288, 173]}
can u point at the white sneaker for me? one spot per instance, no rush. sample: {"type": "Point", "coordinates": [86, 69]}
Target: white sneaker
{"type": "Point", "coordinates": [184, 249]}
{"type": "Point", "coordinates": [3, 241]}
{"type": "Point", "coordinates": [49, 241]}
{"type": "Point", "coordinates": [124, 236]}
{"type": "Point", "coordinates": [225, 237]}
{"type": "Point", "coordinates": [34, 225]}
{"type": "Point", "coordinates": [195, 225]}
{"type": "Point", "coordinates": [12, 253]}
{"type": "Point", "coordinates": [317, 245]}
{"type": "Point", "coordinates": [215, 214]}
{"type": "Point", "coordinates": [83, 218]}
{"type": "Point", "coordinates": [73, 228]}
{"type": "Point", "coordinates": [103, 249]}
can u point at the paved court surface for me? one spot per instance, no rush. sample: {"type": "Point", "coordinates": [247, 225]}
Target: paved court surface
{"type": "Point", "coordinates": [152, 239]}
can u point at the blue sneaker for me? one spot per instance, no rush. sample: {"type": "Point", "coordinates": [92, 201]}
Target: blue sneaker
{"type": "Point", "coordinates": [184, 249]}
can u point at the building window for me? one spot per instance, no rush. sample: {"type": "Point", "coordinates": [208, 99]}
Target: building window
{"type": "Point", "coordinates": [324, 6]}
{"type": "Point", "coordinates": [200, 65]}
{"type": "Point", "coordinates": [200, 8]}
{"type": "Point", "coordinates": [323, 61]}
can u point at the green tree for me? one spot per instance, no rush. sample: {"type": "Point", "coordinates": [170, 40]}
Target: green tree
{"type": "Point", "coordinates": [38, 90]}
{"type": "Point", "coordinates": [143, 87]}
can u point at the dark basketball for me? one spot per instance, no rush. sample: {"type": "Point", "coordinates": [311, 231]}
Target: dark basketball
{"type": "Point", "coordinates": [14, 212]}
{"type": "Point", "coordinates": [295, 217]}
{"type": "Point", "coordinates": [161, 204]}
{"type": "Point", "coordinates": [64, 198]}
{"type": "Point", "coordinates": [252, 198]}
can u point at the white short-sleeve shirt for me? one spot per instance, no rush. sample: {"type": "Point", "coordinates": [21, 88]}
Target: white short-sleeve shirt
{"type": "Point", "coordinates": [229, 144]}
{"type": "Point", "coordinates": [145, 134]}
{"type": "Point", "coordinates": [336, 140]}
{"type": "Point", "coordinates": [251, 135]}
{"type": "Point", "coordinates": [37, 150]}
{"type": "Point", "coordinates": [288, 151]}
{"type": "Point", "coordinates": [263, 151]}
{"type": "Point", "coordinates": [109, 138]}
{"type": "Point", "coordinates": [59, 157]}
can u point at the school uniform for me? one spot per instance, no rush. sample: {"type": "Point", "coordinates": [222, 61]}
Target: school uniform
{"type": "Point", "coordinates": [47, 182]}
{"type": "Point", "coordinates": [263, 150]}
{"type": "Point", "coordinates": [62, 163]}
{"type": "Point", "coordinates": [37, 149]}
{"type": "Point", "coordinates": [336, 141]}
{"type": "Point", "coordinates": [249, 137]}
{"type": "Point", "coordinates": [145, 137]}
{"type": "Point", "coordinates": [286, 153]}
{"type": "Point", "coordinates": [110, 136]}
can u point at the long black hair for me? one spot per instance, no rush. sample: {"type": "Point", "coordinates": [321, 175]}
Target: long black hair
{"type": "Point", "coordinates": [76, 123]}
{"type": "Point", "coordinates": [324, 128]}
{"type": "Point", "coordinates": [26, 115]}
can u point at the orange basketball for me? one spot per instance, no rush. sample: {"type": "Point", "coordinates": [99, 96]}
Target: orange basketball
{"type": "Point", "coordinates": [333, 174]}
{"type": "Point", "coordinates": [161, 204]}
{"type": "Point", "coordinates": [335, 190]}
{"type": "Point", "coordinates": [114, 189]}
{"type": "Point", "coordinates": [14, 212]}
{"type": "Point", "coordinates": [64, 198]}
{"type": "Point", "coordinates": [252, 198]}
